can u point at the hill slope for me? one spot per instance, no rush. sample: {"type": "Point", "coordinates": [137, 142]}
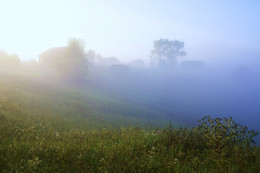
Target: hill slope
{"type": "Point", "coordinates": [89, 108]}
{"type": "Point", "coordinates": [50, 128]}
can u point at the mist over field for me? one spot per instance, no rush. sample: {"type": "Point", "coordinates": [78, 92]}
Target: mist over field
{"type": "Point", "coordinates": [184, 93]}
{"type": "Point", "coordinates": [190, 91]}
{"type": "Point", "coordinates": [133, 86]}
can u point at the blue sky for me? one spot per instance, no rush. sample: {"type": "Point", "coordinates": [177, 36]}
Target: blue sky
{"type": "Point", "coordinates": [127, 28]}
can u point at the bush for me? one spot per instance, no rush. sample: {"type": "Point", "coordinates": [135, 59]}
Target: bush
{"type": "Point", "coordinates": [224, 135]}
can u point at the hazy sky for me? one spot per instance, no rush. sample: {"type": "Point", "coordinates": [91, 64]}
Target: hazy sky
{"type": "Point", "coordinates": [127, 28]}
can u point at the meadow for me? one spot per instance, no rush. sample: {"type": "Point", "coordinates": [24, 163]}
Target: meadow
{"type": "Point", "coordinates": [53, 128]}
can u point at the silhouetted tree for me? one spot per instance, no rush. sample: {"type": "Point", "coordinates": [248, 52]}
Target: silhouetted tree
{"type": "Point", "coordinates": [165, 52]}
{"type": "Point", "coordinates": [73, 65]}
{"type": "Point", "coordinates": [70, 62]}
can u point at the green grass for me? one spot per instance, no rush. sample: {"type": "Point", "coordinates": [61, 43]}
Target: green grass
{"type": "Point", "coordinates": [89, 106]}
{"type": "Point", "coordinates": [46, 128]}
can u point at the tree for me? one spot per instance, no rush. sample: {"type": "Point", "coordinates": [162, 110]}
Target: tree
{"type": "Point", "coordinates": [91, 55]}
{"type": "Point", "coordinates": [8, 61]}
{"type": "Point", "coordinates": [69, 62]}
{"type": "Point", "coordinates": [165, 52]}
{"type": "Point", "coordinates": [73, 64]}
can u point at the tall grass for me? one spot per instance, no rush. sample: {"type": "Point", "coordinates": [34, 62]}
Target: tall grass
{"type": "Point", "coordinates": [35, 146]}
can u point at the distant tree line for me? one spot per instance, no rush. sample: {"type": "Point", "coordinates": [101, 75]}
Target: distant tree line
{"type": "Point", "coordinates": [8, 61]}
{"type": "Point", "coordinates": [72, 62]}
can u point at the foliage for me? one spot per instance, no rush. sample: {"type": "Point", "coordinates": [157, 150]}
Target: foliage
{"type": "Point", "coordinates": [222, 133]}
{"type": "Point", "coordinates": [8, 61]}
{"type": "Point", "coordinates": [92, 56]}
{"type": "Point", "coordinates": [69, 62]}
{"type": "Point", "coordinates": [166, 51]}
{"type": "Point", "coordinates": [73, 64]}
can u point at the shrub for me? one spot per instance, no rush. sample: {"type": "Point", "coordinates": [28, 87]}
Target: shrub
{"type": "Point", "coordinates": [223, 134]}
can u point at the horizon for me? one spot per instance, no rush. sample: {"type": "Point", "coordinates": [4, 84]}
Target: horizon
{"type": "Point", "coordinates": [126, 30]}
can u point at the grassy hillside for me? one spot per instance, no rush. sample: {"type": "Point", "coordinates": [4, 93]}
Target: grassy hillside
{"type": "Point", "coordinates": [89, 106]}
{"type": "Point", "coordinates": [49, 128]}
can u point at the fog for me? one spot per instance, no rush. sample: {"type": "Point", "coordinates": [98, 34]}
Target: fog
{"type": "Point", "coordinates": [184, 92]}
{"type": "Point", "coordinates": [218, 77]}
{"type": "Point", "coordinates": [189, 93]}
